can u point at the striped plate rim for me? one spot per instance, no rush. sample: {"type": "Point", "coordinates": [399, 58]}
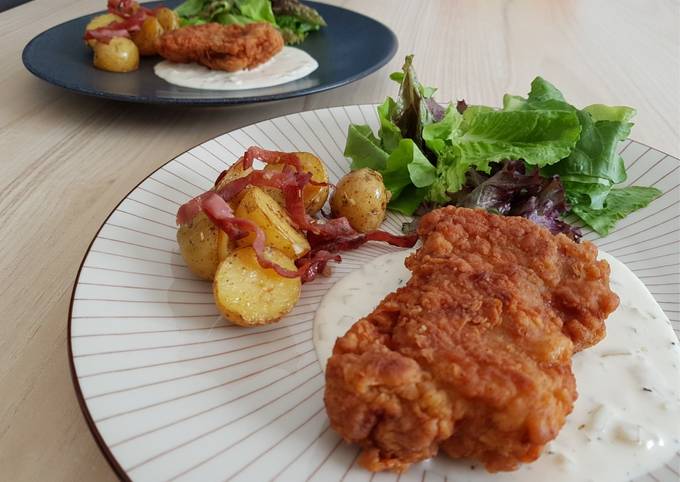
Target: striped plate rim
{"type": "Point", "coordinates": [176, 308]}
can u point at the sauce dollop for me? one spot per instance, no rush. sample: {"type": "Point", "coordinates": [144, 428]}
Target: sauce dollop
{"type": "Point", "coordinates": [288, 65]}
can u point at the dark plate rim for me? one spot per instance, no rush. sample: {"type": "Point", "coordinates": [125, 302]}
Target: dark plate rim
{"type": "Point", "coordinates": [213, 101]}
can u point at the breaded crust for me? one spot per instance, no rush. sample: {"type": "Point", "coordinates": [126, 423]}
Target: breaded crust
{"type": "Point", "coordinates": [473, 354]}
{"type": "Point", "coordinates": [222, 47]}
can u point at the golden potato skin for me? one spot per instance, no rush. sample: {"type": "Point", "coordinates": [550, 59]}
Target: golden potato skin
{"type": "Point", "coordinates": [198, 242]}
{"type": "Point", "coordinates": [100, 21]}
{"type": "Point", "coordinates": [146, 39]}
{"type": "Point", "coordinates": [119, 55]}
{"type": "Point", "coordinates": [250, 295]}
{"type": "Point", "coordinates": [167, 18]}
{"type": "Point", "coordinates": [224, 245]}
{"type": "Point", "coordinates": [314, 197]}
{"type": "Point", "coordinates": [257, 206]}
{"type": "Point", "coordinates": [235, 171]}
{"type": "Point", "coordinates": [361, 197]}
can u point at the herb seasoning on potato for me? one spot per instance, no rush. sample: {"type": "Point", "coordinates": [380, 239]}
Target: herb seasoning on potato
{"type": "Point", "coordinates": [119, 55]}
{"type": "Point", "coordinates": [257, 234]}
{"type": "Point", "coordinates": [203, 246]}
{"type": "Point", "coordinates": [361, 197]}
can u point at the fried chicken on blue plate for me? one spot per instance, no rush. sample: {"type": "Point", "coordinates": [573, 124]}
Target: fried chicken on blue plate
{"type": "Point", "coordinates": [222, 47]}
{"type": "Point", "coordinates": [473, 355]}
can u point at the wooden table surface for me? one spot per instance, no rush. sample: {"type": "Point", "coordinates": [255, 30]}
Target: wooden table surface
{"type": "Point", "coordinates": [67, 160]}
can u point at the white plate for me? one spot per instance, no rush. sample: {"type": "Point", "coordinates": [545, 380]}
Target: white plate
{"type": "Point", "coordinates": [172, 391]}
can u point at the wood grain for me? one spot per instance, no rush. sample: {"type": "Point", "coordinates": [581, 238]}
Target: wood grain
{"type": "Point", "coordinates": [67, 160]}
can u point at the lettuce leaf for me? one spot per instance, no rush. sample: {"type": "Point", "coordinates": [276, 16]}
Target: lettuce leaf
{"type": "Point", "coordinates": [486, 135]}
{"type": "Point", "coordinates": [409, 200]}
{"type": "Point", "coordinates": [364, 148]}
{"type": "Point", "coordinates": [437, 134]}
{"type": "Point", "coordinates": [619, 204]}
{"type": "Point", "coordinates": [407, 165]}
{"type": "Point", "coordinates": [539, 137]}
{"type": "Point", "coordinates": [411, 110]}
{"type": "Point", "coordinates": [190, 8]}
{"type": "Point", "coordinates": [226, 18]}
{"type": "Point", "coordinates": [257, 10]}
{"type": "Point", "coordinates": [595, 155]}
{"type": "Point", "coordinates": [428, 152]}
{"type": "Point", "coordinates": [389, 132]}
{"type": "Point", "coordinates": [591, 194]}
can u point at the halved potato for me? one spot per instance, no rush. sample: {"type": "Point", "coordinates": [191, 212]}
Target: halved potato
{"type": "Point", "coordinates": [314, 197]}
{"type": "Point", "coordinates": [224, 245]}
{"type": "Point", "coordinates": [235, 171]}
{"type": "Point", "coordinates": [248, 294]}
{"type": "Point", "coordinates": [259, 207]}
{"type": "Point", "coordinates": [101, 21]}
{"type": "Point", "coordinates": [203, 245]}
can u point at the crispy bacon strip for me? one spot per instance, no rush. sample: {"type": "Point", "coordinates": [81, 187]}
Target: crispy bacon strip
{"type": "Point", "coordinates": [133, 16]}
{"type": "Point", "coordinates": [221, 214]}
{"type": "Point", "coordinates": [191, 208]}
{"type": "Point", "coordinates": [115, 29]}
{"type": "Point", "coordinates": [314, 263]}
{"type": "Point", "coordinates": [106, 34]}
{"type": "Point", "coordinates": [295, 206]}
{"type": "Point", "coordinates": [326, 238]}
{"type": "Point", "coordinates": [270, 157]}
{"type": "Point", "coordinates": [353, 241]}
{"type": "Point", "coordinates": [276, 157]}
{"type": "Point", "coordinates": [402, 241]}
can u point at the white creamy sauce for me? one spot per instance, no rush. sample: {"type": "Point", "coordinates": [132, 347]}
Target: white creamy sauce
{"type": "Point", "coordinates": [626, 421]}
{"type": "Point", "coordinates": [288, 65]}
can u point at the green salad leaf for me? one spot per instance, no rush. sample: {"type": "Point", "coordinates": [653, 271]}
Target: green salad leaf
{"type": "Point", "coordinates": [256, 10]}
{"type": "Point", "coordinates": [364, 148]}
{"type": "Point", "coordinates": [619, 204]}
{"type": "Point", "coordinates": [429, 153]}
{"type": "Point", "coordinates": [190, 8]}
{"type": "Point", "coordinates": [411, 197]}
{"type": "Point", "coordinates": [539, 133]}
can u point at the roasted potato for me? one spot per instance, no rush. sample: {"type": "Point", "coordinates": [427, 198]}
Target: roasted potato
{"type": "Point", "coordinates": [100, 21]}
{"type": "Point", "coordinates": [119, 55]}
{"type": "Point", "coordinates": [314, 196]}
{"type": "Point", "coordinates": [248, 294]}
{"type": "Point", "coordinates": [279, 231]}
{"type": "Point", "coordinates": [147, 38]}
{"type": "Point", "coordinates": [224, 245]}
{"type": "Point", "coordinates": [167, 18]}
{"type": "Point", "coordinates": [361, 197]}
{"type": "Point", "coordinates": [203, 245]}
{"type": "Point", "coordinates": [234, 172]}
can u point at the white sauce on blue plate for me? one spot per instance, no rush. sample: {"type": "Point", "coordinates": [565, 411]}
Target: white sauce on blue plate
{"type": "Point", "coordinates": [288, 65]}
{"type": "Point", "coordinates": [626, 421]}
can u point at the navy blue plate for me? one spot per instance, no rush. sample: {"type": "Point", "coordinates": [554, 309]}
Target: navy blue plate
{"type": "Point", "coordinates": [349, 48]}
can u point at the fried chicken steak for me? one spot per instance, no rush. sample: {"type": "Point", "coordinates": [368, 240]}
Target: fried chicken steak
{"type": "Point", "coordinates": [222, 47]}
{"type": "Point", "coordinates": [473, 355]}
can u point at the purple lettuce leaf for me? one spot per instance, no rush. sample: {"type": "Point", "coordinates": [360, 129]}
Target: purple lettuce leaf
{"type": "Point", "coordinates": [513, 191]}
